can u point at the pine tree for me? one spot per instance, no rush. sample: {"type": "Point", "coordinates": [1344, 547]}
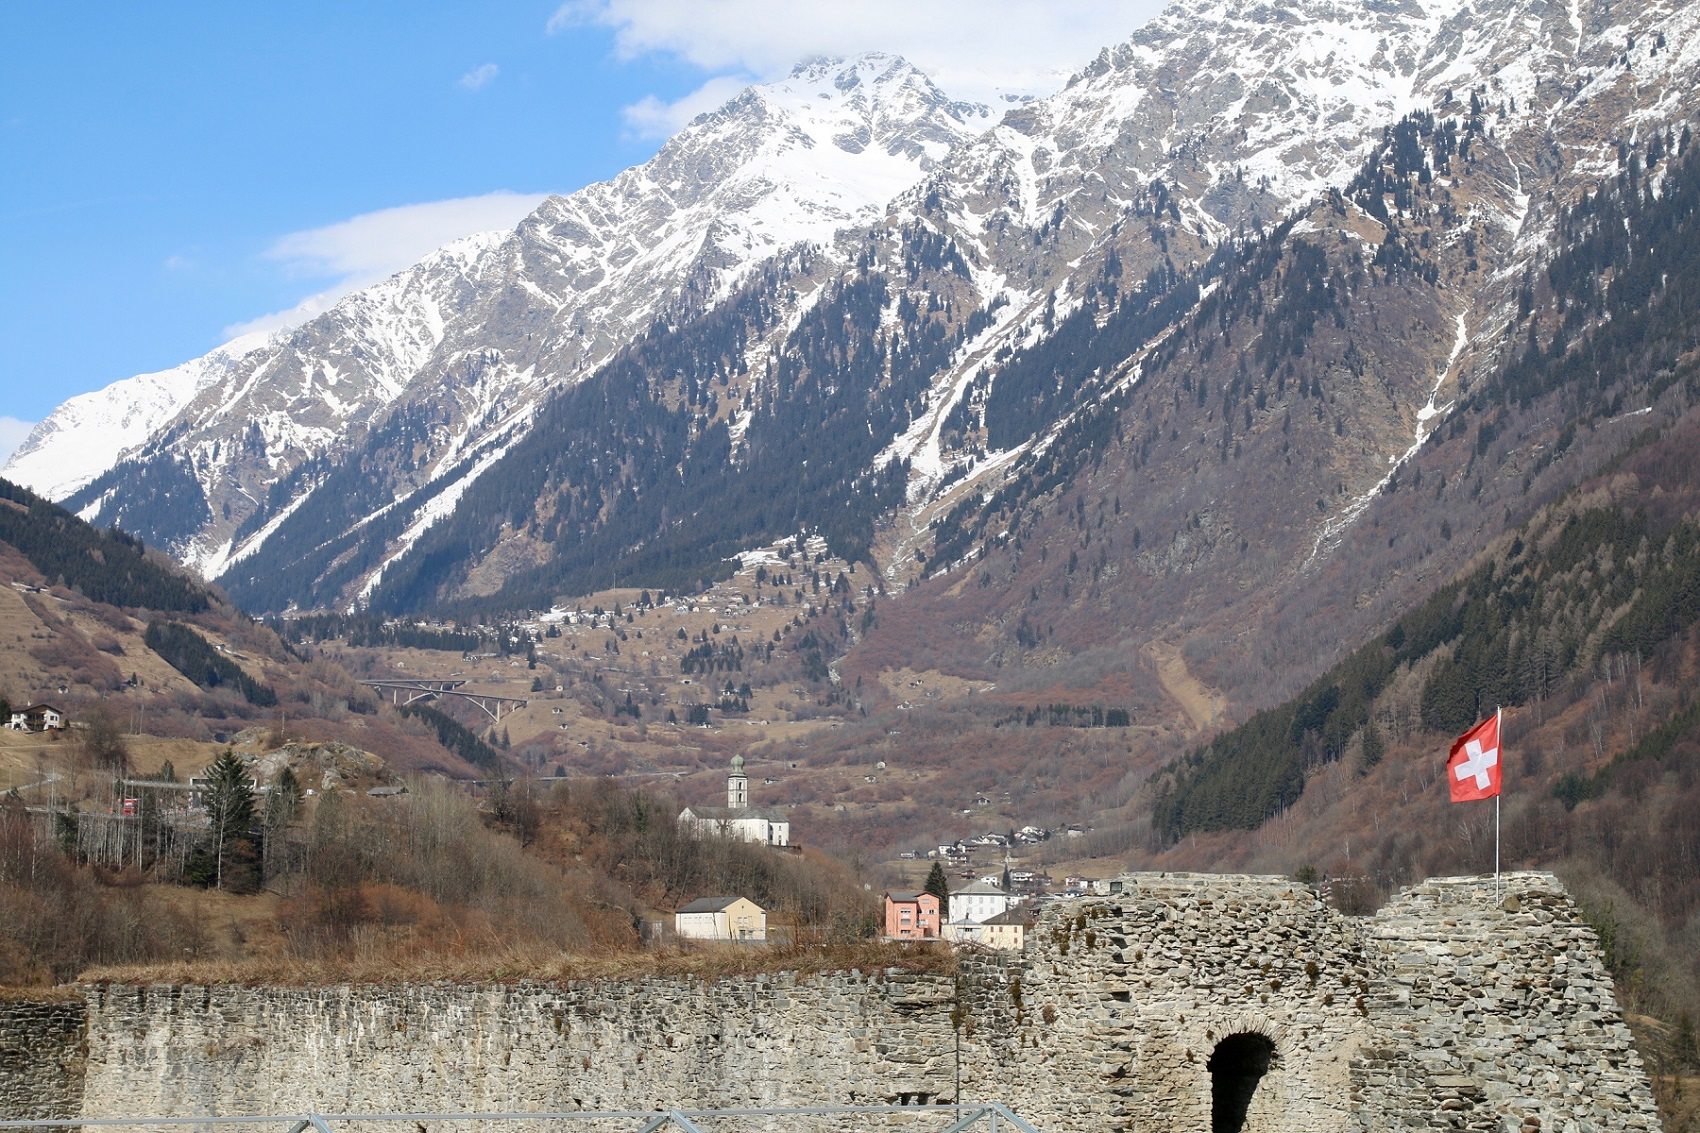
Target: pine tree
{"type": "Point", "coordinates": [228, 856]}
{"type": "Point", "coordinates": [939, 887]}
{"type": "Point", "coordinates": [283, 805]}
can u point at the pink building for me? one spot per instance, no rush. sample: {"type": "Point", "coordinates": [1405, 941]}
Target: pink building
{"type": "Point", "coordinates": [912, 916]}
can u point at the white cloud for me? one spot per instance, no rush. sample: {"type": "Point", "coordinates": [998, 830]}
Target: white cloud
{"type": "Point", "coordinates": [479, 77]}
{"type": "Point", "coordinates": [650, 117]}
{"type": "Point", "coordinates": [309, 308]}
{"type": "Point", "coordinates": [974, 49]}
{"type": "Point", "coordinates": [358, 252]}
{"type": "Point", "coordinates": [12, 434]}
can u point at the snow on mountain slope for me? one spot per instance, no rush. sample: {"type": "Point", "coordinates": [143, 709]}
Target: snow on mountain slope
{"type": "Point", "coordinates": [1217, 117]}
{"type": "Point", "coordinates": [543, 305]}
{"type": "Point", "coordinates": [88, 433]}
{"type": "Point", "coordinates": [1222, 116]}
{"type": "Point", "coordinates": [1215, 121]}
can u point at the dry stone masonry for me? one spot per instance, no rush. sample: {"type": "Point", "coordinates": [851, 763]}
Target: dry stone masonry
{"type": "Point", "coordinates": [41, 1057]}
{"type": "Point", "coordinates": [1501, 1011]}
{"type": "Point", "coordinates": [1122, 1003]}
{"type": "Point", "coordinates": [1176, 1001]}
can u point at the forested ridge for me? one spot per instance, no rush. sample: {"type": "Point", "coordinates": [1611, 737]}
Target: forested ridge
{"type": "Point", "coordinates": [674, 456]}
{"type": "Point", "coordinates": [161, 496]}
{"type": "Point", "coordinates": [1573, 589]}
{"type": "Point", "coordinates": [1567, 596]}
{"type": "Point", "coordinates": [189, 653]}
{"type": "Point", "coordinates": [106, 566]}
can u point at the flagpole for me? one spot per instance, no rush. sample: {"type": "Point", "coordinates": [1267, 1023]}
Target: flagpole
{"type": "Point", "coordinates": [1498, 730]}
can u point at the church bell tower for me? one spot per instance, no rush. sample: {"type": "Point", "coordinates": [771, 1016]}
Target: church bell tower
{"type": "Point", "coordinates": [737, 786]}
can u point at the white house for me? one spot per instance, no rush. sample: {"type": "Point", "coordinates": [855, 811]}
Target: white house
{"type": "Point", "coordinates": [978, 903]}
{"type": "Point", "coordinates": [721, 918]}
{"type": "Point", "coordinates": [738, 819]}
{"type": "Point", "coordinates": [37, 718]}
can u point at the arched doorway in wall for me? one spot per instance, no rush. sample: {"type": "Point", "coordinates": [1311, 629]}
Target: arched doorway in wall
{"type": "Point", "coordinates": [1236, 1067]}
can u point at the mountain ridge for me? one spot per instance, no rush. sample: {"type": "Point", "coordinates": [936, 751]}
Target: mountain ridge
{"type": "Point", "coordinates": [1041, 287]}
{"type": "Point", "coordinates": [683, 237]}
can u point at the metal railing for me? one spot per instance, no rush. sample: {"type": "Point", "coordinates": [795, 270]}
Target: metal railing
{"type": "Point", "coordinates": [984, 1117]}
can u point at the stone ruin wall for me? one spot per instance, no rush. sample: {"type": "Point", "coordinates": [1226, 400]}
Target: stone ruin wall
{"type": "Point", "coordinates": [41, 1057]}
{"type": "Point", "coordinates": [1446, 1010]}
{"type": "Point", "coordinates": [1494, 1016]}
{"type": "Point", "coordinates": [1443, 1011]}
{"type": "Point", "coordinates": [782, 1039]}
{"type": "Point", "coordinates": [1118, 1003]}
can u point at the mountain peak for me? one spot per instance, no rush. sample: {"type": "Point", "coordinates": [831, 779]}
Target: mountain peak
{"type": "Point", "coordinates": [784, 162]}
{"type": "Point", "coordinates": [876, 100]}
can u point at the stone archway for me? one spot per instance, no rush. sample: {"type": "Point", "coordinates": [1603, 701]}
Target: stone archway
{"type": "Point", "coordinates": [1237, 1065]}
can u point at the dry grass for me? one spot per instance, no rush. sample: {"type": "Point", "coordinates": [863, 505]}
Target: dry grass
{"type": "Point", "coordinates": [62, 994]}
{"type": "Point", "coordinates": [372, 965]}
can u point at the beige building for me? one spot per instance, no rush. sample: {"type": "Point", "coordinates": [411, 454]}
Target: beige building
{"type": "Point", "coordinates": [721, 918]}
{"type": "Point", "coordinates": [1008, 930]}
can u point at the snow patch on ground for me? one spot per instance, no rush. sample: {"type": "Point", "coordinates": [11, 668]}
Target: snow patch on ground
{"type": "Point", "coordinates": [1334, 528]}
{"type": "Point", "coordinates": [434, 509]}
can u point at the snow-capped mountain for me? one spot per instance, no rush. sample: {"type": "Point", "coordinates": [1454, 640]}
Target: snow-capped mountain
{"type": "Point", "coordinates": [85, 436]}
{"type": "Point", "coordinates": [847, 284]}
{"type": "Point", "coordinates": [524, 311]}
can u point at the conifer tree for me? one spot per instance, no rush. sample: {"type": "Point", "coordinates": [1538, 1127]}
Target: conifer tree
{"type": "Point", "coordinates": [939, 887]}
{"type": "Point", "coordinates": [226, 860]}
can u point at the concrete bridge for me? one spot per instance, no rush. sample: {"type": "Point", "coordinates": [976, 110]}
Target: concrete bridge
{"type": "Point", "coordinates": [409, 691]}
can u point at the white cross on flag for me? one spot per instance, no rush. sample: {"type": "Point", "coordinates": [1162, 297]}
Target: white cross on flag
{"type": "Point", "coordinates": [1472, 770]}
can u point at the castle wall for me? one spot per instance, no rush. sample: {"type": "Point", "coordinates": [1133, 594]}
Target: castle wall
{"type": "Point", "coordinates": [1447, 1010]}
{"type": "Point", "coordinates": [1495, 1015]}
{"type": "Point", "coordinates": [41, 1057]}
{"type": "Point", "coordinates": [1110, 1017]}
{"type": "Point", "coordinates": [781, 1039]}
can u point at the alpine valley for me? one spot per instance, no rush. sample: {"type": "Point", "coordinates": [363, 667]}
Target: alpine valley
{"type": "Point", "coordinates": [1186, 456]}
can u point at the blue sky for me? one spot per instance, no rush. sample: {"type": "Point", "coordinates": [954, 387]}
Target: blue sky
{"type": "Point", "coordinates": [174, 172]}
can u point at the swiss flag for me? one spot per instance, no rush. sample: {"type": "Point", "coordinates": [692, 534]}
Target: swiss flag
{"type": "Point", "coordinates": [1472, 770]}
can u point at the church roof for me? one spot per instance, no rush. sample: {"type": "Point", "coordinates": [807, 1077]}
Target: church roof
{"type": "Point", "coordinates": [728, 813]}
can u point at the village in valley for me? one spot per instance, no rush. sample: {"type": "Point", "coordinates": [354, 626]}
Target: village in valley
{"type": "Point", "coordinates": [993, 910]}
{"type": "Point", "coordinates": [647, 689]}
{"type": "Point", "coordinates": [976, 893]}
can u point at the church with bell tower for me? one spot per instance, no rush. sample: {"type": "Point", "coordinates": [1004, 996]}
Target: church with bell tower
{"type": "Point", "coordinates": [738, 819]}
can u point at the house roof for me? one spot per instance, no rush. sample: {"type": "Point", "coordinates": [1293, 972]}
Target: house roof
{"type": "Point", "coordinates": [909, 897]}
{"type": "Point", "coordinates": [1015, 914]}
{"type": "Point", "coordinates": [713, 905]}
{"type": "Point", "coordinates": [978, 889]}
{"type": "Point", "coordinates": [38, 708]}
